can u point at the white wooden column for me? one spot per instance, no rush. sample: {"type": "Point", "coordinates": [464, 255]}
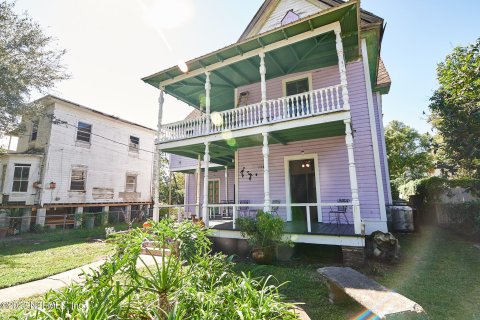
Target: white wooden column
{"type": "Point", "coordinates": [226, 184]}
{"type": "Point", "coordinates": [357, 223]}
{"type": "Point", "coordinates": [342, 69]}
{"type": "Point", "coordinates": [199, 174]}
{"type": "Point", "coordinates": [156, 160]}
{"type": "Point", "coordinates": [208, 87]}
{"type": "Point", "coordinates": [206, 162]}
{"type": "Point", "coordinates": [263, 86]}
{"type": "Point", "coordinates": [266, 173]}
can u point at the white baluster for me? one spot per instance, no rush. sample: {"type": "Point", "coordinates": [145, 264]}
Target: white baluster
{"type": "Point", "coordinates": [337, 105]}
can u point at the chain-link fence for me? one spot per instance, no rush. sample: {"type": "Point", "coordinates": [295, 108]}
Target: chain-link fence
{"type": "Point", "coordinates": [17, 221]}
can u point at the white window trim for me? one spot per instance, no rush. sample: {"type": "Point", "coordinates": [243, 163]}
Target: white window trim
{"type": "Point", "coordinates": [131, 148]}
{"type": "Point", "coordinates": [76, 132]}
{"type": "Point", "coordinates": [136, 181]}
{"type": "Point", "coordinates": [28, 165]}
{"type": "Point", "coordinates": [82, 168]}
{"type": "Point", "coordinates": [295, 78]}
{"type": "Point", "coordinates": [286, 161]}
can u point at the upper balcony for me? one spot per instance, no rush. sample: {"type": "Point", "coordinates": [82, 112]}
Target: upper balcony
{"type": "Point", "coordinates": [212, 83]}
{"type": "Point", "coordinates": [307, 104]}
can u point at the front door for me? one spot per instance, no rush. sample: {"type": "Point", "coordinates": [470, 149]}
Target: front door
{"type": "Point", "coordinates": [214, 195]}
{"type": "Point", "coordinates": [303, 188]}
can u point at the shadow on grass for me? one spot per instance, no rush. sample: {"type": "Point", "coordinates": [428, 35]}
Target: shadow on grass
{"type": "Point", "coordinates": [32, 242]}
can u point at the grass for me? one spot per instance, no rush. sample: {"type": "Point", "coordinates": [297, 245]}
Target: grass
{"type": "Point", "coordinates": [36, 256]}
{"type": "Point", "coordinates": [438, 270]}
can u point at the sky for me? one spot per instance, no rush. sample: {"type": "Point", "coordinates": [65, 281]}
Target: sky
{"type": "Point", "coordinates": [112, 44]}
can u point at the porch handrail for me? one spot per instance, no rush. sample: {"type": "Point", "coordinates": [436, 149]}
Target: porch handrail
{"type": "Point", "coordinates": [310, 103]}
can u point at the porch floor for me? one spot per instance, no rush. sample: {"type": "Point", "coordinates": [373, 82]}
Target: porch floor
{"type": "Point", "coordinates": [299, 227]}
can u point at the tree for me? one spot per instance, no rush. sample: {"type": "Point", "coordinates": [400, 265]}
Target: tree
{"type": "Point", "coordinates": [171, 183]}
{"type": "Point", "coordinates": [455, 112]}
{"type": "Point", "coordinates": [408, 153]}
{"type": "Point", "coordinates": [27, 63]}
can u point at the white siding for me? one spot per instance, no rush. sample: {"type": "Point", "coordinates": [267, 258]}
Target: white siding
{"type": "Point", "coordinates": [107, 162]}
{"type": "Point", "coordinates": [34, 175]}
{"type": "Point", "coordinates": [302, 8]}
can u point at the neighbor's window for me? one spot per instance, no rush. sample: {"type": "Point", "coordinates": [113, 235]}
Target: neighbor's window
{"type": "Point", "coordinates": [131, 185]}
{"type": "Point", "coordinates": [78, 178]}
{"type": "Point", "coordinates": [2, 178]}
{"type": "Point", "coordinates": [84, 132]}
{"type": "Point", "coordinates": [134, 144]}
{"type": "Point", "coordinates": [33, 137]}
{"type": "Point", "coordinates": [20, 177]}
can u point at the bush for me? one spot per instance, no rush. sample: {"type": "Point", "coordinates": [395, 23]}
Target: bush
{"type": "Point", "coordinates": [193, 286]}
{"type": "Point", "coordinates": [266, 230]}
{"type": "Point", "coordinates": [464, 217]}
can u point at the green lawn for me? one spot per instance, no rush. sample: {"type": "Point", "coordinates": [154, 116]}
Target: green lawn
{"type": "Point", "coordinates": [438, 270]}
{"type": "Point", "coordinates": [36, 256]}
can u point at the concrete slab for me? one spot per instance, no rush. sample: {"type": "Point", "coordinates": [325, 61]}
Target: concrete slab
{"type": "Point", "coordinates": [57, 281]}
{"type": "Point", "coordinates": [370, 294]}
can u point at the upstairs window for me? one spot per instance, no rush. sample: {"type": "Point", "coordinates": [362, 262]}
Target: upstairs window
{"type": "Point", "coordinates": [297, 86]}
{"type": "Point", "coordinates": [78, 179]}
{"type": "Point", "coordinates": [289, 17]}
{"type": "Point", "coordinates": [131, 184]}
{"type": "Point", "coordinates": [84, 132]}
{"type": "Point", "coordinates": [134, 144]}
{"type": "Point", "coordinates": [33, 137]}
{"type": "Point", "coordinates": [20, 177]}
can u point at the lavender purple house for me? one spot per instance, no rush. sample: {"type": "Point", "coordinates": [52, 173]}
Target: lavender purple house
{"type": "Point", "coordinates": [288, 119]}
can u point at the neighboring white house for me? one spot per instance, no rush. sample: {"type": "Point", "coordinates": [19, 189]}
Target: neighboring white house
{"type": "Point", "coordinates": [73, 157]}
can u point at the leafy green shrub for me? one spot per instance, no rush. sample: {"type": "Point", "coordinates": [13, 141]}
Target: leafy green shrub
{"type": "Point", "coordinates": [464, 217]}
{"type": "Point", "coordinates": [266, 230]}
{"type": "Point", "coordinates": [202, 287]}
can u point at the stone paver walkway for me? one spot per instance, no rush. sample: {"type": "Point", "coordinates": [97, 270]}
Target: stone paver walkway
{"type": "Point", "coordinates": [56, 281]}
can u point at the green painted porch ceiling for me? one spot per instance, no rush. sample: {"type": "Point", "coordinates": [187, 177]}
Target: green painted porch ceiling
{"type": "Point", "coordinates": [222, 152]}
{"type": "Point", "coordinates": [312, 53]}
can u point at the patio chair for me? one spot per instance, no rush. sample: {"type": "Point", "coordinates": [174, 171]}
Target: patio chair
{"type": "Point", "coordinates": [244, 210]}
{"type": "Point", "coordinates": [339, 212]}
{"type": "Point", "coordinates": [274, 209]}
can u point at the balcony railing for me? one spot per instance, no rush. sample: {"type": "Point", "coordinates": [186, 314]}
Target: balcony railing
{"type": "Point", "coordinates": [311, 103]}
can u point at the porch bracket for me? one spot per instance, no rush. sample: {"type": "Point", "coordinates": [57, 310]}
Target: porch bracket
{"type": "Point", "coordinates": [266, 173]}
{"type": "Point", "coordinates": [206, 160]}
{"type": "Point", "coordinates": [357, 223]}
{"type": "Point", "coordinates": [156, 159]}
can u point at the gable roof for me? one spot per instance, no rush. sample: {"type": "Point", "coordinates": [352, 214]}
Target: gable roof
{"type": "Point", "coordinates": [53, 98]}
{"type": "Point", "coordinates": [368, 21]}
{"type": "Point", "coordinates": [367, 18]}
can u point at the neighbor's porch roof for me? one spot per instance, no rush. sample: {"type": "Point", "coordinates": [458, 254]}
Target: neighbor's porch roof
{"type": "Point", "coordinates": [311, 53]}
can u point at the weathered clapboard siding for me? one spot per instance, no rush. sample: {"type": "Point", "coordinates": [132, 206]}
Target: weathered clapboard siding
{"type": "Point", "coordinates": [107, 163]}
{"type": "Point", "coordinates": [381, 147]}
{"type": "Point", "coordinates": [363, 148]}
{"type": "Point", "coordinates": [302, 8]}
{"type": "Point", "coordinates": [190, 193]}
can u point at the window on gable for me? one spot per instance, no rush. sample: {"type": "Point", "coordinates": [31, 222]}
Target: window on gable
{"type": "Point", "coordinates": [131, 183]}
{"type": "Point", "coordinates": [33, 137]}
{"type": "Point", "coordinates": [289, 17]}
{"type": "Point", "coordinates": [134, 144]}
{"type": "Point", "coordinates": [20, 177]}
{"type": "Point", "coordinates": [78, 179]}
{"type": "Point", "coordinates": [84, 132]}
